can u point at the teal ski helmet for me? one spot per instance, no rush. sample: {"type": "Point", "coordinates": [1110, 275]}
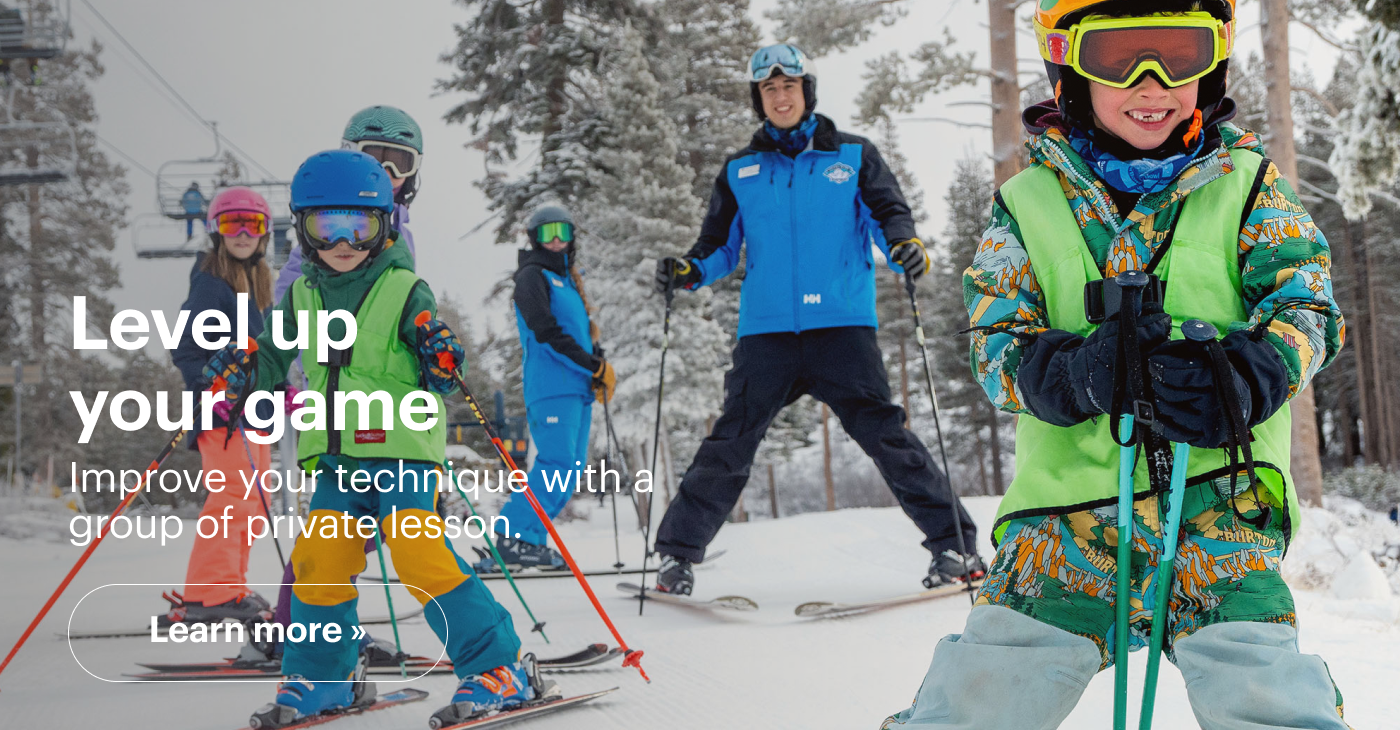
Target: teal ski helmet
{"type": "Point", "coordinates": [379, 129]}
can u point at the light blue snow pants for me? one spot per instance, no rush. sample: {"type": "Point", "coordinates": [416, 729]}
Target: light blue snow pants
{"type": "Point", "coordinates": [1007, 670]}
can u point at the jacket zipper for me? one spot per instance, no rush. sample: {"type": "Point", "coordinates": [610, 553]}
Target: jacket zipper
{"type": "Point", "coordinates": [792, 207]}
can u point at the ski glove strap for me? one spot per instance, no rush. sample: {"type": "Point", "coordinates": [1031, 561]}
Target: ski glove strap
{"type": "Point", "coordinates": [675, 273]}
{"type": "Point", "coordinates": [441, 354]}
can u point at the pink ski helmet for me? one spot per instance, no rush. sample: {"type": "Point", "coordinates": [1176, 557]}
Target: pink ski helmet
{"type": "Point", "coordinates": [237, 199]}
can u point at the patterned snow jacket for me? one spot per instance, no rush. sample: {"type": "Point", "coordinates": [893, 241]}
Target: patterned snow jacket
{"type": "Point", "coordinates": [1284, 260]}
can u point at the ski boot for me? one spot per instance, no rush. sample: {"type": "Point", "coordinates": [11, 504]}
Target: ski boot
{"type": "Point", "coordinates": [519, 554]}
{"type": "Point", "coordinates": [947, 569]}
{"type": "Point", "coordinates": [675, 576]}
{"type": "Point", "coordinates": [299, 698]}
{"type": "Point", "coordinates": [503, 688]}
{"type": "Point", "coordinates": [248, 608]}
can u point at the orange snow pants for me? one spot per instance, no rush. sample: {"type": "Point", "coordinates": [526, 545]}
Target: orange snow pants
{"type": "Point", "coordinates": [223, 558]}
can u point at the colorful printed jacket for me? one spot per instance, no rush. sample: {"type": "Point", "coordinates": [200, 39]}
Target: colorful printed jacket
{"type": "Point", "coordinates": [1284, 261]}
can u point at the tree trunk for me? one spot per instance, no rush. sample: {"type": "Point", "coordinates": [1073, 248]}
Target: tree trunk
{"type": "Point", "coordinates": [554, 91]}
{"type": "Point", "coordinates": [772, 491]}
{"type": "Point", "coordinates": [1344, 252]}
{"type": "Point", "coordinates": [1007, 156]}
{"type": "Point", "coordinates": [1307, 461]}
{"type": "Point", "coordinates": [981, 459]}
{"type": "Point", "coordinates": [826, 459]}
{"type": "Point", "coordinates": [1383, 423]}
{"type": "Point", "coordinates": [994, 420]}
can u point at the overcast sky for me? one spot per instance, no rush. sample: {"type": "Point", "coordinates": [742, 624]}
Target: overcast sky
{"type": "Point", "coordinates": [282, 76]}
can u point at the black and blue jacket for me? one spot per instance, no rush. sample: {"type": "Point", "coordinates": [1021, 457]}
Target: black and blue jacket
{"type": "Point", "coordinates": [808, 223]}
{"type": "Point", "coordinates": [555, 341]}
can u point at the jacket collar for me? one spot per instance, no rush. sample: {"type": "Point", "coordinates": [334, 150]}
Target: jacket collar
{"type": "Point", "coordinates": [556, 262]}
{"type": "Point", "coordinates": [825, 139]}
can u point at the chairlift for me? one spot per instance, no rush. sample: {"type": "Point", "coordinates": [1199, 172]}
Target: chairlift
{"type": "Point", "coordinates": [155, 237]}
{"type": "Point", "coordinates": [32, 39]}
{"type": "Point", "coordinates": [37, 153]}
{"type": "Point", "coordinates": [185, 187]}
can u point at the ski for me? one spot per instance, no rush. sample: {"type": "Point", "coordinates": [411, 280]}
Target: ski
{"type": "Point", "coordinates": [137, 633]}
{"type": "Point", "coordinates": [819, 609]}
{"type": "Point", "coordinates": [530, 573]}
{"type": "Point", "coordinates": [393, 699]}
{"type": "Point", "coordinates": [528, 710]}
{"type": "Point", "coordinates": [732, 603]}
{"type": "Point", "coordinates": [252, 669]}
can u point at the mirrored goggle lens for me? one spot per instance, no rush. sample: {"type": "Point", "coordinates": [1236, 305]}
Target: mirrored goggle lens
{"type": "Point", "coordinates": [325, 229]}
{"type": "Point", "coordinates": [550, 231]}
{"type": "Point", "coordinates": [400, 161]}
{"type": "Point", "coordinates": [1115, 56]}
{"type": "Point", "coordinates": [776, 59]}
{"type": "Point", "coordinates": [231, 224]}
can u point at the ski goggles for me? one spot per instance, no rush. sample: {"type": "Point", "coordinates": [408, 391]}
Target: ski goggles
{"type": "Point", "coordinates": [400, 160]}
{"type": "Point", "coordinates": [547, 232]}
{"type": "Point", "coordinates": [783, 58]}
{"type": "Point", "coordinates": [236, 222]}
{"type": "Point", "coordinates": [325, 228]}
{"type": "Point", "coordinates": [1178, 48]}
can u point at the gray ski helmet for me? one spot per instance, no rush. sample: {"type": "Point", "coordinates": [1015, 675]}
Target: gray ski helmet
{"type": "Point", "coordinates": [548, 214]}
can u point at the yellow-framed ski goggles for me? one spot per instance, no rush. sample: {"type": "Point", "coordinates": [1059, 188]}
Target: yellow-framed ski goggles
{"type": "Point", "coordinates": [1178, 47]}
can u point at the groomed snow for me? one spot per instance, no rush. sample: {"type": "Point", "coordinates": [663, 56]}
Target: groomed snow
{"type": "Point", "coordinates": [761, 670]}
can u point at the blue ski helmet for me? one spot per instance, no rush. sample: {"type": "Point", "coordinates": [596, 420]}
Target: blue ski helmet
{"type": "Point", "coordinates": [342, 179]}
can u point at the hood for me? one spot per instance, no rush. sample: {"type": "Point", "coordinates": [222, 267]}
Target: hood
{"type": "Point", "coordinates": [394, 255]}
{"type": "Point", "coordinates": [556, 262]}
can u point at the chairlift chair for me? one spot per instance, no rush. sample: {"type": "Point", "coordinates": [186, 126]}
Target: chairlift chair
{"type": "Point", "coordinates": [155, 237]}
{"type": "Point", "coordinates": [32, 39]}
{"type": "Point", "coordinates": [37, 153]}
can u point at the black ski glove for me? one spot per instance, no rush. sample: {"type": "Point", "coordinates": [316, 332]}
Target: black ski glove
{"type": "Point", "coordinates": [677, 273]}
{"type": "Point", "coordinates": [1189, 406]}
{"type": "Point", "coordinates": [911, 256]}
{"type": "Point", "coordinates": [1066, 379]}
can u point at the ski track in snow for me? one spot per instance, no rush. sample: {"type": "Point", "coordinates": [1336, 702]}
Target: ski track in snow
{"type": "Point", "coordinates": [710, 669]}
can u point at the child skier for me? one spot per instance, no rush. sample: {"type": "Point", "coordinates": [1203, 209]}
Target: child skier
{"type": "Point", "coordinates": [342, 200]}
{"type": "Point", "coordinates": [215, 581]}
{"type": "Point", "coordinates": [563, 375]}
{"type": "Point", "coordinates": [1134, 166]}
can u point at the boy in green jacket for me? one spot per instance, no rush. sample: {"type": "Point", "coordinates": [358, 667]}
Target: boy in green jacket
{"type": "Point", "coordinates": [342, 200]}
{"type": "Point", "coordinates": [1134, 167]}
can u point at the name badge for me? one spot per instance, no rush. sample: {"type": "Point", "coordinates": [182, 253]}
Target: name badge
{"type": "Point", "coordinates": [749, 171]}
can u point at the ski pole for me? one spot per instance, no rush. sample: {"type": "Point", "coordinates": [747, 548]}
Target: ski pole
{"type": "Point", "coordinates": [1165, 566]}
{"type": "Point", "coordinates": [491, 545]}
{"type": "Point", "coordinates": [608, 448]}
{"type": "Point", "coordinates": [622, 461]}
{"type": "Point", "coordinates": [389, 599]}
{"type": "Point", "coordinates": [101, 535]}
{"type": "Point", "coordinates": [938, 429]}
{"type": "Point", "coordinates": [656, 436]}
{"type": "Point", "coordinates": [262, 497]}
{"type": "Point", "coordinates": [631, 657]}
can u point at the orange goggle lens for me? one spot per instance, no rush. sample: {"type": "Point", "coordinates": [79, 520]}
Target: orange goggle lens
{"type": "Point", "coordinates": [1117, 56]}
{"type": "Point", "coordinates": [231, 224]}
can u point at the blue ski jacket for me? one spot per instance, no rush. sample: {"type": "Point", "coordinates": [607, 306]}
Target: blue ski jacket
{"type": "Point", "coordinates": [555, 340]}
{"type": "Point", "coordinates": [807, 223]}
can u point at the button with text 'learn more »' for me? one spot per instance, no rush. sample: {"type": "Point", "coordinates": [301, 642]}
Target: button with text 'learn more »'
{"type": "Point", "coordinates": [190, 643]}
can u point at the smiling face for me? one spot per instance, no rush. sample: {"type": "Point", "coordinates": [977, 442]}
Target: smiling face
{"type": "Point", "coordinates": [783, 102]}
{"type": "Point", "coordinates": [555, 246]}
{"type": "Point", "coordinates": [342, 258]}
{"type": "Point", "coordinates": [1143, 115]}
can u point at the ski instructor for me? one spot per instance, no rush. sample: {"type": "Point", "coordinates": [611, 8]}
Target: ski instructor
{"type": "Point", "coordinates": [807, 201]}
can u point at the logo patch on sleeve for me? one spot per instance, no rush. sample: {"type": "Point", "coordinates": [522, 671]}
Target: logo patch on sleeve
{"type": "Point", "coordinates": [372, 436]}
{"type": "Point", "coordinates": [749, 171]}
{"type": "Point", "coordinates": [557, 283]}
{"type": "Point", "coordinates": [839, 172]}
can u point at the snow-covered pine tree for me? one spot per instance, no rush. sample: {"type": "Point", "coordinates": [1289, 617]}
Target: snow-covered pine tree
{"type": "Point", "coordinates": [641, 209]}
{"type": "Point", "coordinates": [529, 68]}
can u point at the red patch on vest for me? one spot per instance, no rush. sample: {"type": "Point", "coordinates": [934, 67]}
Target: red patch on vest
{"type": "Point", "coordinates": [372, 436]}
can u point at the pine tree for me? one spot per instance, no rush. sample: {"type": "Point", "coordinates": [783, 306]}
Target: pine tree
{"type": "Point", "coordinates": [530, 69]}
{"type": "Point", "coordinates": [640, 207]}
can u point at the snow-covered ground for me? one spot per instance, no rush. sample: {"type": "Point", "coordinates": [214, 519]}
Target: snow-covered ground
{"type": "Point", "coordinates": [709, 670]}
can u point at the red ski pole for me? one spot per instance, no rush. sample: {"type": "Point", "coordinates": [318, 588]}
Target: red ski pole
{"type": "Point", "coordinates": [631, 657]}
{"type": "Point", "coordinates": [101, 534]}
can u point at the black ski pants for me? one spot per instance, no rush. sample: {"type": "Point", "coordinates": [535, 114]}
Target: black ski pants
{"type": "Point", "coordinates": [841, 367]}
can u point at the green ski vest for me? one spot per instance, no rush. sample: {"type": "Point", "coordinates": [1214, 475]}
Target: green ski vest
{"type": "Point", "coordinates": [379, 362]}
{"type": "Point", "coordinates": [1061, 470]}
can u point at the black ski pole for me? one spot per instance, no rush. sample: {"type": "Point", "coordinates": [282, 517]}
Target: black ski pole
{"type": "Point", "coordinates": [263, 498]}
{"type": "Point", "coordinates": [656, 435]}
{"type": "Point", "coordinates": [938, 429]}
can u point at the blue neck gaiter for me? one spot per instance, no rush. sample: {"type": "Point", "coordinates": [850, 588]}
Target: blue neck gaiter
{"type": "Point", "coordinates": [1141, 176]}
{"type": "Point", "coordinates": [793, 141]}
